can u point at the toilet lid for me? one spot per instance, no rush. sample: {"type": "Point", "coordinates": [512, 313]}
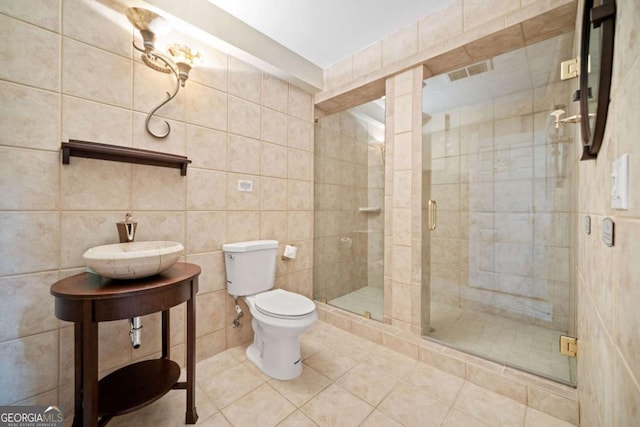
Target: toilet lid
{"type": "Point", "coordinates": [283, 304]}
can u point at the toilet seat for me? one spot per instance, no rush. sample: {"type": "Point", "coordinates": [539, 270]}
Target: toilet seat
{"type": "Point", "coordinates": [283, 304]}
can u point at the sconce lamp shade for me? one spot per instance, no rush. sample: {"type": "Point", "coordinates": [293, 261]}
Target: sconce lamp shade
{"type": "Point", "coordinates": [147, 20]}
{"type": "Point", "coordinates": [181, 53]}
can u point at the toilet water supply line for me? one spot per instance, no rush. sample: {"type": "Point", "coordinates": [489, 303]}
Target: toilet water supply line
{"type": "Point", "coordinates": [236, 321]}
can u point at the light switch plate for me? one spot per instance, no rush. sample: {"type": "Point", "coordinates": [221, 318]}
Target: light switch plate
{"type": "Point", "coordinates": [620, 182]}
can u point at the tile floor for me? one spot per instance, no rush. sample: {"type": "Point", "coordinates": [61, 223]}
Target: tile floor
{"type": "Point", "coordinates": [530, 347]}
{"type": "Point", "coordinates": [346, 381]}
{"type": "Point", "coordinates": [364, 299]}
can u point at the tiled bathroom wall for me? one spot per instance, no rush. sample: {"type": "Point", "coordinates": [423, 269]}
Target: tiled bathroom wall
{"type": "Point", "coordinates": [608, 278]}
{"type": "Point", "coordinates": [69, 71]}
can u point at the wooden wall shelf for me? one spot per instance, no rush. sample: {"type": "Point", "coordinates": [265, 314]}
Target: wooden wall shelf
{"type": "Point", "coordinates": [116, 153]}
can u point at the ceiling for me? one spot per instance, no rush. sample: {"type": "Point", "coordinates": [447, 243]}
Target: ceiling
{"type": "Point", "coordinates": [326, 31]}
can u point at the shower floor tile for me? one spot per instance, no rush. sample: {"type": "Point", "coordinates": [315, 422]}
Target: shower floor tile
{"type": "Point", "coordinates": [530, 347]}
{"type": "Point", "coordinates": [364, 299]}
{"type": "Point", "coordinates": [365, 393]}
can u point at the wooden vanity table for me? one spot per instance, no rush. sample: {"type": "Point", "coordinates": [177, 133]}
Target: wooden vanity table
{"type": "Point", "coordinates": [87, 299]}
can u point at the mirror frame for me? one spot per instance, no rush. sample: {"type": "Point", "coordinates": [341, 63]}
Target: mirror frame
{"type": "Point", "coordinates": [603, 16]}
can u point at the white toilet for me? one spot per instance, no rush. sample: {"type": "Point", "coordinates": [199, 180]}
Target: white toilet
{"type": "Point", "coordinates": [279, 316]}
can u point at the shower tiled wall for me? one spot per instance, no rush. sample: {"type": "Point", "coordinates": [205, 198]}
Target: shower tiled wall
{"type": "Point", "coordinates": [503, 188]}
{"type": "Point", "coordinates": [348, 176]}
{"type": "Point", "coordinates": [403, 270]}
{"type": "Point", "coordinates": [69, 71]}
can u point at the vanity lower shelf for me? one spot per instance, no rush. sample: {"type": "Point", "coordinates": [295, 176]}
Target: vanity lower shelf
{"type": "Point", "coordinates": [136, 385]}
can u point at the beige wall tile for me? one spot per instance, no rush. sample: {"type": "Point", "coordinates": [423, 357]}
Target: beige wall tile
{"type": "Point", "coordinates": [213, 277]}
{"type": "Point", "coordinates": [273, 225]}
{"type": "Point", "coordinates": [477, 12]}
{"type": "Point", "coordinates": [244, 117]}
{"type": "Point", "coordinates": [43, 13]}
{"type": "Point", "coordinates": [211, 313]}
{"type": "Point", "coordinates": [402, 153]}
{"type": "Point", "coordinates": [245, 81]}
{"type": "Point", "coordinates": [79, 122]}
{"type": "Point", "coordinates": [206, 107]}
{"type": "Point", "coordinates": [300, 104]}
{"type": "Point", "coordinates": [300, 225]}
{"type": "Point", "coordinates": [206, 190]}
{"type": "Point", "coordinates": [299, 165]}
{"type": "Point", "coordinates": [159, 189]}
{"type": "Point", "coordinates": [368, 59]}
{"type": "Point", "coordinates": [95, 184]}
{"type": "Point", "coordinates": [244, 155]}
{"type": "Point", "coordinates": [26, 305]}
{"type": "Point", "coordinates": [400, 44]}
{"type": "Point", "coordinates": [274, 160]}
{"type": "Point", "coordinates": [28, 366]}
{"type": "Point", "coordinates": [300, 195]}
{"type": "Point", "coordinates": [206, 148]}
{"type": "Point", "coordinates": [104, 26]}
{"type": "Point", "coordinates": [243, 226]}
{"type": "Point", "coordinates": [160, 226]}
{"type": "Point", "coordinates": [273, 194]}
{"type": "Point", "coordinates": [206, 231]}
{"type": "Point", "coordinates": [274, 126]}
{"type": "Point", "coordinates": [213, 72]}
{"type": "Point", "coordinates": [402, 189]}
{"type": "Point", "coordinates": [29, 117]}
{"type": "Point", "coordinates": [29, 179]}
{"type": "Point", "coordinates": [275, 93]}
{"type": "Point", "coordinates": [440, 25]}
{"type": "Point", "coordinates": [29, 242]}
{"type": "Point", "coordinates": [26, 48]}
{"type": "Point", "coordinates": [91, 73]}
{"type": "Point", "coordinates": [300, 134]}
{"type": "Point", "coordinates": [401, 264]}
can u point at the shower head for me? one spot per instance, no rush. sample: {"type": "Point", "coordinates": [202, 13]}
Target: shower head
{"type": "Point", "coordinates": [557, 114]}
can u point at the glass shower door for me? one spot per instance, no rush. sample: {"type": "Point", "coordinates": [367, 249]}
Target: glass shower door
{"type": "Point", "coordinates": [349, 218]}
{"type": "Point", "coordinates": [501, 174]}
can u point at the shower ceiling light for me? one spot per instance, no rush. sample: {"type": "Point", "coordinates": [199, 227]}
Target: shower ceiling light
{"type": "Point", "coordinates": [177, 61]}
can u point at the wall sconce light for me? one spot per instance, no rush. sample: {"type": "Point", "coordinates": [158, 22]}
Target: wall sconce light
{"type": "Point", "coordinates": [178, 59]}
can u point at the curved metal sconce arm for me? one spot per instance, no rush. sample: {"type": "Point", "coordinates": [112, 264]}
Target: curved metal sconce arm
{"type": "Point", "coordinates": [149, 22]}
{"type": "Point", "coordinates": [170, 68]}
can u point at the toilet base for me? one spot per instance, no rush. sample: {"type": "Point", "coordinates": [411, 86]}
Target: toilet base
{"type": "Point", "coordinates": [278, 357]}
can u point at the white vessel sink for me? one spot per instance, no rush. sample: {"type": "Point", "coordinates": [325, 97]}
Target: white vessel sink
{"type": "Point", "coordinates": [133, 260]}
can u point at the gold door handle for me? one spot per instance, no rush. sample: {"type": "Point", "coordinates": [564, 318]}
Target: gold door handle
{"type": "Point", "coordinates": [432, 214]}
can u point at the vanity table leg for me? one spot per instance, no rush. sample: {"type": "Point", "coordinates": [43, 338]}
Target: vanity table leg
{"type": "Point", "coordinates": [166, 334]}
{"type": "Point", "coordinates": [192, 414]}
{"type": "Point", "coordinates": [86, 370]}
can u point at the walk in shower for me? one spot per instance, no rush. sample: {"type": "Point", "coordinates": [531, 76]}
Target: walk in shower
{"type": "Point", "coordinates": [498, 193]}
{"type": "Point", "coordinates": [498, 190]}
{"type": "Point", "coordinates": [349, 201]}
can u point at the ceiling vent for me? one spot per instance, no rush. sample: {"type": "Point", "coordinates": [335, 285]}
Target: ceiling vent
{"type": "Point", "coordinates": [471, 70]}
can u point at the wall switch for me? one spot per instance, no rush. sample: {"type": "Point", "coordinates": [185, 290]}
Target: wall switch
{"type": "Point", "coordinates": [245, 186]}
{"type": "Point", "coordinates": [620, 182]}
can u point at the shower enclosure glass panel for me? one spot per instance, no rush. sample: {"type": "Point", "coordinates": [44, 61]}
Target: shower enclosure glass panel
{"type": "Point", "coordinates": [502, 176]}
{"type": "Point", "coordinates": [349, 218]}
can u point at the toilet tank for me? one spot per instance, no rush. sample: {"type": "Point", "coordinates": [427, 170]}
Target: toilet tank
{"type": "Point", "coordinates": [250, 266]}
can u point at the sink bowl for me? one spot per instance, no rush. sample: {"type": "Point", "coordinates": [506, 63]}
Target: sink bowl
{"type": "Point", "coordinates": [133, 260]}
